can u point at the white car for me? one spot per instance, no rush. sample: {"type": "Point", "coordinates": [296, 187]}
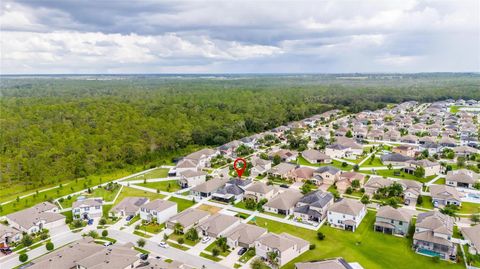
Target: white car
{"type": "Point", "coordinates": [163, 245]}
{"type": "Point", "coordinates": [205, 239]}
{"type": "Point", "coordinates": [106, 244]}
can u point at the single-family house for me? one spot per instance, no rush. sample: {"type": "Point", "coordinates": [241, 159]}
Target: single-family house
{"type": "Point", "coordinates": [260, 166]}
{"type": "Point", "coordinates": [129, 206]}
{"type": "Point", "coordinates": [346, 214]}
{"type": "Point", "coordinates": [285, 155]}
{"type": "Point", "coordinates": [190, 178]}
{"type": "Point", "coordinates": [433, 234]}
{"type": "Point", "coordinates": [375, 183]}
{"type": "Point", "coordinates": [430, 168]}
{"type": "Point", "coordinates": [283, 203]}
{"type": "Point", "coordinates": [326, 175]}
{"type": "Point", "coordinates": [259, 190]}
{"type": "Point", "coordinates": [286, 246]}
{"type": "Point", "coordinates": [405, 150]}
{"type": "Point", "coordinates": [207, 188]}
{"type": "Point", "coordinates": [443, 195]}
{"type": "Point", "coordinates": [462, 178]}
{"type": "Point", "coordinates": [472, 236]}
{"type": "Point", "coordinates": [302, 173]}
{"type": "Point", "coordinates": [87, 208]}
{"type": "Point", "coordinates": [44, 215]}
{"type": "Point", "coordinates": [158, 210]}
{"type": "Point", "coordinates": [244, 235]}
{"type": "Point", "coordinates": [315, 156]}
{"type": "Point", "coordinates": [391, 220]}
{"type": "Point", "coordinates": [346, 178]}
{"type": "Point", "coordinates": [282, 170]}
{"type": "Point", "coordinates": [187, 219]}
{"type": "Point", "coordinates": [337, 263]}
{"type": "Point", "coordinates": [9, 235]}
{"type": "Point", "coordinates": [395, 159]}
{"type": "Point", "coordinates": [217, 225]}
{"type": "Point", "coordinates": [313, 206]}
{"type": "Point", "coordinates": [233, 191]}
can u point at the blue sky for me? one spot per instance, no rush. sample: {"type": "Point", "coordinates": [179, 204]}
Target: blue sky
{"type": "Point", "coordinates": [239, 36]}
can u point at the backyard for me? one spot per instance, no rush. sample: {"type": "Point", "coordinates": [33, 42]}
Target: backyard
{"type": "Point", "coordinates": [182, 203]}
{"type": "Point", "coordinates": [335, 163]}
{"type": "Point", "coordinates": [131, 192]}
{"type": "Point", "coordinates": [364, 246]}
{"type": "Point", "coordinates": [167, 186]}
{"type": "Point", "coordinates": [156, 173]}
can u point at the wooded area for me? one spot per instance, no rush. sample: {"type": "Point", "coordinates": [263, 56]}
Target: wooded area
{"type": "Point", "coordinates": [55, 129]}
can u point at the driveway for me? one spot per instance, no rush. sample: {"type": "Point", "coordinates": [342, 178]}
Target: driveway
{"type": "Point", "coordinates": [232, 258]}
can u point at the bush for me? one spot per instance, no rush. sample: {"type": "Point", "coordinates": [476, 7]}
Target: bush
{"type": "Point", "coordinates": [180, 240]}
{"type": "Point", "coordinates": [93, 234]}
{"type": "Point", "coordinates": [49, 246]}
{"type": "Point", "coordinates": [320, 236]}
{"type": "Point", "coordinates": [23, 257]}
{"type": "Point", "coordinates": [44, 236]}
{"type": "Point", "coordinates": [215, 252]}
{"type": "Point", "coordinates": [102, 221]}
{"type": "Point", "coordinates": [312, 246]}
{"type": "Point", "coordinates": [27, 240]}
{"type": "Point", "coordinates": [141, 242]}
{"type": "Point", "coordinates": [104, 233]}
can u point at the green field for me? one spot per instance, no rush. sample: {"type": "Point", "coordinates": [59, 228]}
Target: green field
{"type": "Point", "coordinates": [375, 162]}
{"type": "Point", "coordinates": [168, 186]}
{"type": "Point", "coordinates": [157, 173]}
{"type": "Point", "coordinates": [371, 249]}
{"type": "Point", "coordinates": [107, 196]}
{"type": "Point", "coordinates": [182, 203]}
{"type": "Point", "coordinates": [402, 175]}
{"type": "Point", "coordinates": [335, 163]}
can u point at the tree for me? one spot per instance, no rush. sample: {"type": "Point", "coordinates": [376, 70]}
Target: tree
{"type": "Point", "coordinates": [250, 204]}
{"type": "Point", "coordinates": [23, 257]}
{"type": "Point", "coordinates": [257, 263]}
{"type": "Point", "coordinates": [349, 190]}
{"type": "Point", "coordinates": [419, 172]}
{"type": "Point", "coordinates": [27, 240]}
{"type": "Point", "coordinates": [272, 258]}
{"type": "Point", "coordinates": [349, 134]}
{"type": "Point", "coordinates": [355, 183]}
{"type": "Point", "coordinates": [93, 234]}
{"type": "Point", "coordinates": [450, 210]}
{"type": "Point", "coordinates": [365, 199]}
{"type": "Point", "coordinates": [356, 167]}
{"type": "Point", "coordinates": [475, 218]}
{"type": "Point", "coordinates": [420, 200]}
{"type": "Point", "coordinates": [104, 233]}
{"type": "Point", "coordinates": [180, 240]}
{"type": "Point", "coordinates": [178, 228]}
{"type": "Point", "coordinates": [222, 243]}
{"type": "Point", "coordinates": [320, 235]}
{"type": "Point", "coordinates": [102, 221]}
{"type": "Point", "coordinates": [192, 234]}
{"type": "Point", "coordinates": [49, 246]}
{"type": "Point", "coordinates": [215, 252]}
{"type": "Point", "coordinates": [276, 159]}
{"type": "Point", "coordinates": [141, 242]}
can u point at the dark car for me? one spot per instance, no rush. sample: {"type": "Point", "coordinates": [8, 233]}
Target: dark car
{"type": "Point", "coordinates": [284, 186]}
{"type": "Point", "coordinates": [241, 251]}
{"type": "Point", "coordinates": [90, 221]}
{"type": "Point", "coordinates": [129, 218]}
{"type": "Point", "coordinates": [144, 256]}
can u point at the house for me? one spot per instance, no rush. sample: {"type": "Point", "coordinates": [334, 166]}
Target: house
{"type": "Point", "coordinates": [302, 173]}
{"type": "Point", "coordinates": [347, 214]}
{"type": "Point", "coordinates": [375, 183]}
{"type": "Point", "coordinates": [315, 156]}
{"type": "Point", "coordinates": [87, 208]}
{"type": "Point", "coordinates": [202, 157]}
{"type": "Point", "coordinates": [158, 210]}
{"type": "Point", "coordinates": [465, 151]}
{"type": "Point", "coordinates": [313, 206]}
{"type": "Point", "coordinates": [115, 256]}
{"type": "Point", "coordinates": [285, 155]}
{"type": "Point", "coordinates": [233, 191]}
{"type": "Point", "coordinates": [287, 247]}
{"type": "Point", "coordinates": [259, 166]}
{"type": "Point", "coordinates": [259, 190]}
{"type": "Point", "coordinates": [391, 220]}
{"type": "Point", "coordinates": [283, 203]}
{"type": "Point", "coordinates": [431, 168]}
{"type": "Point", "coordinates": [411, 190]}
{"type": "Point", "coordinates": [187, 219]}
{"type": "Point", "coordinates": [447, 142]}
{"type": "Point", "coordinates": [190, 178]}
{"type": "Point", "coordinates": [153, 263]}
{"type": "Point", "coordinates": [395, 159]}
{"type": "Point", "coordinates": [443, 195]}
{"type": "Point", "coordinates": [244, 235]}
{"type": "Point", "coordinates": [9, 235]}
{"type": "Point", "coordinates": [207, 188]}
{"type": "Point", "coordinates": [405, 150]}
{"type": "Point", "coordinates": [129, 206]}
{"type": "Point", "coordinates": [472, 236]}
{"type": "Point", "coordinates": [34, 219]}
{"type": "Point", "coordinates": [337, 263]}
{"type": "Point", "coordinates": [186, 165]}
{"type": "Point", "coordinates": [433, 233]}
{"type": "Point", "coordinates": [462, 178]}
{"type": "Point", "coordinates": [282, 170]}
{"type": "Point", "coordinates": [217, 225]}
{"type": "Point", "coordinates": [229, 148]}
{"type": "Point", "coordinates": [337, 151]}
{"type": "Point", "coordinates": [326, 175]}
{"type": "Point", "coordinates": [346, 178]}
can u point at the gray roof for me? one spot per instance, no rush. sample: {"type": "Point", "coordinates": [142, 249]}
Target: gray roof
{"type": "Point", "coordinates": [473, 235]}
{"type": "Point", "coordinates": [285, 200]}
{"type": "Point", "coordinates": [189, 216]}
{"type": "Point", "coordinates": [130, 204]}
{"type": "Point", "coordinates": [391, 213]}
{"type": "Point", "coordinates": [210, 185]}
{"type": "Point", "coordinates": [395, 157]}
{"type": "Point", "coordinates": [158, 205]}
{"type": "Point", "coordinates": [90, 202]}
{"type": "Point", "coordinates": [282, 241]}
{"type": "Point", "coordinates": [444, 192]}
{"type": "Point", "coordinates": [338, 263]}
{"type": "Point", "coordinates": [27, 218]}
{"type": "Point", "coordinates": [327, 169]}
{"type": "Point", "coordinates": [218, 223]}
{"type": "Point", "coordinates": [347, 206]}
{"type": "Point", "coordinates": [317, 198]}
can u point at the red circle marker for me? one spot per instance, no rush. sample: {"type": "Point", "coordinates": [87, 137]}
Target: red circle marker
{"type": "Point", "coordinates": [241, 169]}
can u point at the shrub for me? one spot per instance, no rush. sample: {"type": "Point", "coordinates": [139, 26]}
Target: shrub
{"type": "Point", "coordinates": [312, 246]}
{"type": "Point", "coordinates": [23, 257]}
{"type": "Point", "coordinates": [104, 233]}
{"type": "Point", "coordinates": [49, 246]}
{"type": "Point", "coordinates": [180, 240]}
{"type": "Point", "coordinates": [141, 242]}
{"type": "Point", "coordinates": [320, 236]}
{"type": "Point", "coordinates": [44, 236]}
{"type": "Point", "coordinates": [102, 221]}
{"type": "Point", "coordinates": [215, 252]}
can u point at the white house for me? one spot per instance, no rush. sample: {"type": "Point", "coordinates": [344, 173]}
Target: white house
{"type": "Point", "coordinates": [87, 208]}
{"type": "Point", "coordinates": [190, 178]}
{"type": "Point", "coordinates": [34, 219]}
{"type": "Point", "coordinates": [346, 214]}
{"type": "Point", "coordinates": [159, 210]}
{"type": "Point", "coordinates": [287, 247]}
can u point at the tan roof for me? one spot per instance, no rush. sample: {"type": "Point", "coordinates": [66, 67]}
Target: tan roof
{"type": "Point", "coordinates": [210, 185]}
{"type": "Point", "coordinates": [162, 264]}
{"type": "Point", "coordinates": [391, 213]}
{"type": "Point", "coordinates": [352, 176]}
{"type": "Point", "coordinates": [444, 192]}
{"type": "Point", "coordinates": [218, 223]}
{"type": "Point", "coordinates": [66, 256]}
{"type": "Point", "coordinates": [315, 155]}
{"type": "Point", "coordinates": [201, 153]}
{"type": "Point", "coordinates": [189, 216]}
{"type": "Point", "coordinates": [327, 264]}
{"type": "Point", "coordinates": [260, 187]}
{"type": "Point", "coordinates": [187, 163]}
{"type": "Point", "coordinates": [27, 218]}
{"type": "Point", "coordinates": [347, 206]}
{"type": "Point", "coordinates": [282, 241]}
{"type": "Point", "coordinates": [87, 202]}
{"type": "Point", "coordinates": [246, 233]}
{"type": "Point", "coordinates": [129, 204]}
{"type": "Point", "coordinates": [436, 222]}
{"type": "Point", "coordinates": [378, 182]}
{"type": "Point", "coordinates": [285, 200]}
{"type": "Point", "coordinates": [463, 176]}
{"type": "Point", "coordinates": [112, 257]}
{"type": "Point", "coordinates": [282, 168]}
{"type": "Point", "coordinates": [304, 172]}
{"type": "Point", "coordinates": [4, 229]}
{"type": "Point", "coordinates": [159, 205]}
{"type": "Point", "coordinates": [473, 235]}
{"type": "Point", "coordinates": [192, 173]}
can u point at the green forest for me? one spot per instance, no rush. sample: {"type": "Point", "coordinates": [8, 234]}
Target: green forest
{"type": "Point", "coordinates": [61, 128]}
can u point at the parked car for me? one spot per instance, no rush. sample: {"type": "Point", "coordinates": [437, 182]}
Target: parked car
{"type": "Point", "coordinates": [90, 221]}
{"type": "Point", "coordinates": [205, 239]}
{"type": "Point", "coordinates": [284, 186]}
{"type": "Point", "coordinates": [163, 244]}
{"type": "Point", "coordinates": [108, 243]}
{"type": "Point", "coordinates": [144, 256]}
{"type": "Point", "coordinates": [129, 218]}
{"type": "Point", "coordinates": [158, 257]}
{"type": "Point", "coordinates": [241, 251]}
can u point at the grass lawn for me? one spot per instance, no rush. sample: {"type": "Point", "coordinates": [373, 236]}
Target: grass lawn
{"type": "Point", "coordinates": [175, 245]}
{"type": "Point", "coordinates": [182, 203]}
{"type": "Point", "coordinates": [376, 162]}
{"type": "Point", "coordinates": [242, 205]}
{"type": "Point", "coordinates": [107, 196]}
{"type": "Point", "coordinates": [168, 186]}
{"type": "Point", "coordinates": [153, 228]}
{"type": "Point", "coordinates": [440, 181]}
{"type": "Point", "coordinates": [210, 257]}
{"type": "Point", "coordinates": [141, 233]}
{"type": "Point", "coordinates": [401, 175]}
{"type": "Point", "coordinates": [141, 250]}
{"type": "Point", "coordinates": [214, 245]}
{"type": "Point", "coordinates": [134, 219]}
{"type": "Point", "coordinates": [427, 202]}
{"type": "Point", "coordinates": [469, 208]}
{"type": "Point", "coordinates": [175, 238]}
{"type": "Point", "coordinates": [131, 192]}
{"type": "Point", "coordinates": [247, 256]}
{"type": "Point", "coordinates": [157, 173]}
{"type": "Point", "coordinates": [68, 187]}
{"type": "Point", "coordinates": [211, 209]}
{"type": "Point", "coordinates": [374, 250]}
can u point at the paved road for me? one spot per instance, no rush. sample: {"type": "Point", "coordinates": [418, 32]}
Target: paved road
{"type": "Point", "coordinates": [172, 253]}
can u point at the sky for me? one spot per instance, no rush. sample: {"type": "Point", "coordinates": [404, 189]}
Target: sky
{"type": "Point", "coordinates": [338, 36]}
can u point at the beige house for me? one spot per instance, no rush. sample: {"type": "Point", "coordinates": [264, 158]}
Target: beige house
{"type": "Point", "coordinates": [443, 195]}
{"type": "Point", "coordinates": [129, 206]}
{"type": "Point", "coordinates": [326, 175]}
{"type": "Point", "coordinates": [283, 203]}
{"type": "Point", "coordinates": [472, 236]}
{"type": "Point", "coordinates": [158, 210]}
{"type": "Point", "coordinates": [187, 219]}
{"type": "Point", "coordinates": [9, 235]}
{"type": "Point", "coordinates": [431, 168]}
{"type": "Point", "coordinates": [433, 233]}
{"type": "Point", "coordinates": [287, 247]}
{"type": "Point", "coordinates": [462, 178]}
{"type": "Point", "coordinates": [347, 214]}
{"type": "Point", "coordinates": [34, 219]}
{"type": "Point", "coordinates": [346, 178]}
{"type": "Point", "coordinates": [259, 190]}
{"type": "Point", "coordinates": [406, 150]}
{"type": "Point", "coordinates": [207, 188]}
{"type": "Point", "coordinates": [282, 170]}
{"type": "Point", "coordinates": [315, 156]}
{"type": "Point", "coordinates": [244, 235]}
{"type": "Point", "coordinates": [375, 183]}
{"type": "Point", "coordinates": [217, 225]}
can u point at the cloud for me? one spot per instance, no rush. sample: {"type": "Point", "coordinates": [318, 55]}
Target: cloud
{"type": "Point", "coordinates": [238, 36]}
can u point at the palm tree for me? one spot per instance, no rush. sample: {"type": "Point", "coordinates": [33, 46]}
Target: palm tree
{"type": "Point", "coordinates": [178, 228]}
{"type": "Point", "coordinates": [272, 258]}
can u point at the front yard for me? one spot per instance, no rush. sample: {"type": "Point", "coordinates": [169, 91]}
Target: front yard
{"type": "Point", "coordinates": [371, 249]}
{"type": "Point", "coordinates": [396, 173]}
